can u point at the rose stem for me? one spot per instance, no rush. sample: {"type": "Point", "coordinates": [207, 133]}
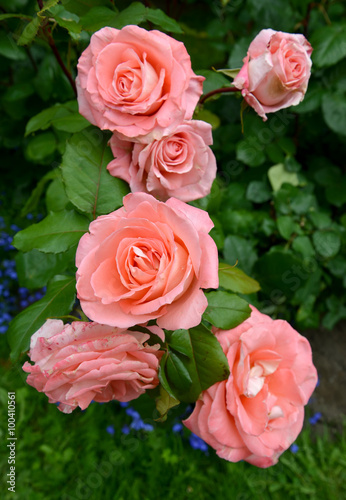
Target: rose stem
{"type": "Point", "coordinates": [47, 31]}
{"type": "Point", "coordinates": [217, 91]}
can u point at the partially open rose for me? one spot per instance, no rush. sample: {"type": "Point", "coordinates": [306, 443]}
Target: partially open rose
{"type": "Point", "coordinates": [180, 164]}
{"type": "Point", "coordinates": [136, 82]}
{"type": "Point", "coordinates": [80, 362]}
{"type": "Point", "coordinates": [276, 71]}
{"type": "Point", "coordinates": [258, 412]}
{"type": "Point", "coordinates": [147, 261]}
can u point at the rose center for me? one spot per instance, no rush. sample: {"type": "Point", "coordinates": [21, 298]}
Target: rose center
{"type": "Point", "coordinates": [142, 264]}
{"type": "Point", "coordinates": [257, 376]}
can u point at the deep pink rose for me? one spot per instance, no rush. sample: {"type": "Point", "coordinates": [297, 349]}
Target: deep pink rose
{"type": "Point", "coordinates": [276, 71]}
{"type": "Point", "coordinates": [136, 82]}
{"type": "Point", "coordinates": [80, 362]}
{"type": "Point", "coordinates": [258, 412]}
{"type": "Point", "coordinates": [180, 164]}
{"type": "Point", "coordinates": [148, 260]}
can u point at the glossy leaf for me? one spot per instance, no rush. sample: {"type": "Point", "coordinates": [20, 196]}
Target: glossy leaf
{"type": "Point", "coordinates": [226, 310]}
{"type": "Point", "coordinates": [58, 301]}
{"type": "Point", "coordinates": [54, 234]}
{"type": "Point", "coordinates": [234, 279]}
{"type": "Point", "coordinates": [89, 185]}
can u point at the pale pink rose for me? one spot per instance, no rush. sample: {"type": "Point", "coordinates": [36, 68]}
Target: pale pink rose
{"type": "Point", "coordinates": [258, 412]}
{"type": "Point", "coordinates": [136, 82]}
{"type": "Point", "coordinates": [180, 164]}
{"type": "Point", "coordinates": [276, 71]}
{"type": "Point", "coordinates": [80, 362]}
{"type": "Point", "coordinates": [146, 261]}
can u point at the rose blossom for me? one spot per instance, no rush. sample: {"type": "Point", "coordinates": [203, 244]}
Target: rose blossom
{"type": "Point", "coordinates": [80, 362]}
{"type": "Point", "coordinates": [136, 82]}
{"type": "Point", "coordinates": [276, 71]}
{"type": "Point", "coordinates": [180, 164]}
{"type": "Point", "coordinates": [258, 412]}
{"type": "Point", "coordinates": [148, 260]}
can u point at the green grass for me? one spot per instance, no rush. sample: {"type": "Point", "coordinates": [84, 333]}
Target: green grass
{"type": "Point", "coordinates": [69, 457]}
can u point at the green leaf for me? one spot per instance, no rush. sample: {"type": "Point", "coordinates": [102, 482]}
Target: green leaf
{"type": "Point", "coordinates": [72, 123]}
{"type": "Point", "coordinates": [251, 153]}
{"type": "Point", "coordinates": [327, 243]}
{"type": "Point", "coordinates": [279, 274]}
{"type": "Point", "coordinates": [47, 5]}
{"type": "Point", "coordinates": [207, 116]}
{"type": "Point", "coordinates": [134, 14]}
{"type": "Point", "coordinates": [89, 185]}
{"type": "Point", "coordinates": [56, 199]}
{"type": "Point", "coordinates": [204, 367]}
{"type": "Point", "coordinates": [258, 192]}
{"type": "Point", "coordinates": [303, 245]}
{"type": "Point", "coordinates": [234, 279]}
{"type": "Point", "coordinates": [36, 268]}
{"type": "Point", "coordinates": [54, 234]}
{"type": "Point", "coordinates": [287, 226]}
{"type": "Point", "coordinates": [213, 80]}
{"type": "Point", "coordinates": [329, 44]}
{"type": "Point", "coordinates": [66, 19]}
{"type": "Point", "coordinates": [36, 194]}
{"type": "Point", "coordinates": [98, 17]}
{"type": "Point", "coordinates": [334, 112]}
{"type": "Point", "coordinates": [12, 14]}
{"type": "Point", "coordinates": [9, 48]}
{"type": "Point", "coordinates": [240, 249]}
{"type": "Point", "coordinates": [159, 18]}
{"type": "Point", "coordinates": [58, 301]}
{"type": "Point", "coordinates": [232, 73]}
{"type": "Point", "coordinates": [29, 32]}
{"type": "Point", "coordinates": [41, 147]}
{"type": "Point", "coordinates": [278, 176]}
{"type": "Point", "coordinates": [226, 310]}
{"type": "Point", "coordinates": [62, 116]}
{"type": "Point", "coordinates": [164, 403]}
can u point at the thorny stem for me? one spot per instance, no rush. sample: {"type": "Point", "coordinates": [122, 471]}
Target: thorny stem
{"type": "Point", "coordinates": [48, 33]}
{"type": "Point", "coordinates": [217, 91]}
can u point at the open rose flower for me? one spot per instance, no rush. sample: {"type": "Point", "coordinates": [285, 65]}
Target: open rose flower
{"type": "Point", "coordinates": [276, 71]}
{"type": "Point", "coordinates": [180, 164]}
{"type": "Point", "coordinates": [258, 412]}
{"type": "Point", "coordinates": [136, 82]}
{"type": "Point", "coordinates": [80, 362]}
{"type": "Point", "coordinates": [146, 261]}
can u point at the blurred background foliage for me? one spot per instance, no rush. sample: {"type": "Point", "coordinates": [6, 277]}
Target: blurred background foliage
{"type": "Point", "coordinates": [278, 206]}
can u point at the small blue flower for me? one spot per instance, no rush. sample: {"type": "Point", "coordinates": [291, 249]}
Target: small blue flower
{"type": "Point", "coordinates": [133, 413]}
{"type": "Point", "coordinates": [124, 405]}
{"type": "Point", "coordinates": [197, 443]}
{"type": "Point", "coordinates": [315, 418]}
{"type": "Point", "coordinates": [294, 448]}
{"type": "Point", "coordinates": [125, 429]}
{"type": "Point", "coordinates": [177, 428]}
{"type": "Point", "coordinates": [110, 430]}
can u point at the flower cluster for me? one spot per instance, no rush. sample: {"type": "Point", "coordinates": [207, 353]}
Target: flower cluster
{"type": "Point", "coordinates": [145, 266]}
{"type": "Point", "coordinates": [140, 85]}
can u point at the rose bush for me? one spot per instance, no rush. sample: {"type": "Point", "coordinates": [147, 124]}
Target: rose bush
{"type": "Point", "coordinates": [258, 412]}
{"type": "Point", "coordinates": [180, 164]}
{"type": "Point", "coordinates": [80, 362]}
{"type": "Point", "coordinates": [136, 82]}
{"type": "Point", "coordinates": [276, 71]}
{"type": "Point", "coordinates": [148, 260]}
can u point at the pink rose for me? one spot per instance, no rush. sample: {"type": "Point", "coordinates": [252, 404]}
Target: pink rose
{"type": "Point", "coordinates": [276, 71]}
{"type": "Point", "coordinates": [180, 164]}
{"type": "Point", "coordinates": [136, 82]}
{"type": "Point", "coordinates": [258, 412]}
{"type": "Point", "coordinates": [81, 362]}
{"type": "Point", "coordinates": [148, 260]}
